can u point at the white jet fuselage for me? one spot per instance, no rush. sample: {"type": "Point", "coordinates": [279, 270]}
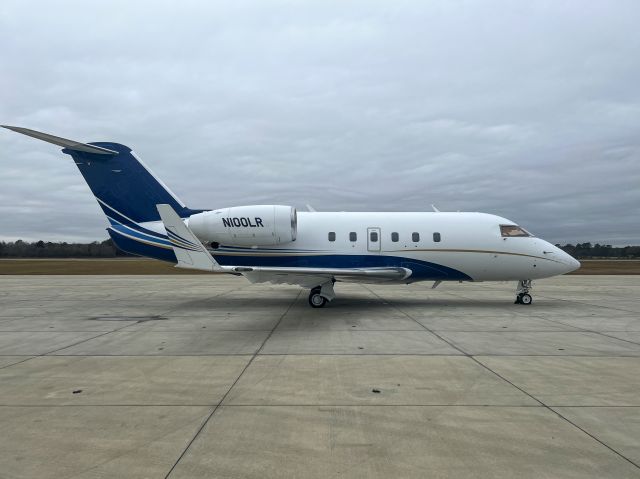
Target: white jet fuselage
{"type": "Point", "coordinates": [470, 247]}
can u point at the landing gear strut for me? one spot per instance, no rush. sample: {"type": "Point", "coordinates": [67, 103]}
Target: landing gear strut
{"type": "Point", "coordinates": [522, 293]}
{"type": "Point", "coordinates": [321, 295]}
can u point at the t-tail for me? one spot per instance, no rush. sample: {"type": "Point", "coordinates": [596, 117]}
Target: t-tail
{"type": "Point", "coordinates": [126, 190]}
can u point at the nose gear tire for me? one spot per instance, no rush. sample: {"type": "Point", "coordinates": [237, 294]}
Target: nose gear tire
{"type": "Point", "coordinates": [525, 299]}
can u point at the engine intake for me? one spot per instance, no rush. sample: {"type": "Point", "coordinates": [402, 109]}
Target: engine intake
{"type": "Point", "coordinates": [257, 225]}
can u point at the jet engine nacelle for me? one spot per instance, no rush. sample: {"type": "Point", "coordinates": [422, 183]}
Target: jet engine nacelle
{"type": "Point", "coordinates": [257, 225]}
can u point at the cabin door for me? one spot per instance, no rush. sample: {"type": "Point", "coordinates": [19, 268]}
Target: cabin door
{"type": "Point", "coordinates": [373, 239]}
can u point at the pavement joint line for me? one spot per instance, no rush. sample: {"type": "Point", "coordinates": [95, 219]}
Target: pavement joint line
{"type": "Point", "coordinates": [586, 330]}
{"type": "Point", "coordinates": [17, 362]}
{"type": "Point", "coordinates": [64, 347]}
{"type": "Point", "coordinates": [208, 418]}
{"type": "Point", "coordinates": [488, 355]}
{"type": "Point", "coordinates": [629, 406]}
{"type": "Point", "coordinates": [587, 304]}
{"type": "Point", "coordinates": [148, 330]}
{"type": "Point", "coordinates": [359, 405]}
{"type": "Point", "coordinates": [497, 331]}
{"type": "Point", "coordinates": [549, 408]}
{"type": "Point", "coordinates": [603, 333]}
{"type": "Point", "coordinates": [107, 405]}
{"type": "Point", "coordinates": [127, 451]}
{"type": "Point", "coordinates": [521, 313]}
{"type": "Point", "coordinates": [208, 298]}
{"type": "Point", "coordinates": [93, 337]}
{"type": "Point", "coordinates": [578, 329]}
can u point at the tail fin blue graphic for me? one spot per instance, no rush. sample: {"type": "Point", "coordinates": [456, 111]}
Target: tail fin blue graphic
{"type": "Point", "coordinates": [125, 188]}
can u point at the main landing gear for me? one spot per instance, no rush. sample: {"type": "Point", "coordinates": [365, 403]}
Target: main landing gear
{"type": "Point", "coordinates": [316, 300]}
{"type": "Point", "coordinates": [522, 293]}
{"type": "Point", "coordinates": [321, 295]}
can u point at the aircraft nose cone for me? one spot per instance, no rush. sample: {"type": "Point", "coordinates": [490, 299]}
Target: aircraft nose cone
{"type": "Point", "coordinates": [574, 264]}
{"type": "Point", "coordinates": [571, 263]}
{"type": "Point", "coordinates": [562, 262]}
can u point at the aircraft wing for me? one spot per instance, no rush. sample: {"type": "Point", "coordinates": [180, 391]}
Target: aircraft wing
{"type": "Point", "coordinates": [191, 254]}
{"type": "Point", "coordinates": [311, 277]}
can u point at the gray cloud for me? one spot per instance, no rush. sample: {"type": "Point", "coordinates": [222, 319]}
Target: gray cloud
{"type": "Point", "coordinates": [530, 110]}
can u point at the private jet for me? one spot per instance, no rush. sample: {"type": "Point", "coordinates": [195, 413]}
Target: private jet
{"type": "Point", "coordinates": [315, 250]}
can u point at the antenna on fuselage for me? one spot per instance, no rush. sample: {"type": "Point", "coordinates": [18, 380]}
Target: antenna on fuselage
{"type": "Point", "coordinates": [435, 209]}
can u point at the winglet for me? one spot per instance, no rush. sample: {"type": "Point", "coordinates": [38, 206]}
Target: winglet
{"type": "Point", "coordinates": [56, 140]}
{"type": "Point", "coordinates": [191, 254]}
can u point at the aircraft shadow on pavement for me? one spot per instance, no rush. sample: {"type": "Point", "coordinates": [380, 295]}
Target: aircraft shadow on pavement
{"type": "Point", "coordinates": [358, 303]}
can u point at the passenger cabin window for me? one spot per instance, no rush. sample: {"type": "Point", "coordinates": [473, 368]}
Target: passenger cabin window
{"type": "Point", "coordinates": [508, 231]}
{"type": "Point", "coordinates": [415, 237]}
{"type": "Point", "coordinates": [353, 236]}
{"type": "Point", "coordinates": [332, 236]}
{"type": "Point", "coordinates": [436, 237]}
{"type": "Point", "coordinates": [395, 237]}
{"type": "Point", "coordinates": [373, 236]}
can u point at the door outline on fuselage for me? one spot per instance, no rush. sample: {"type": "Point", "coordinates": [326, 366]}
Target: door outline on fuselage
{"type": "Point", "coordinates": [373, 246]}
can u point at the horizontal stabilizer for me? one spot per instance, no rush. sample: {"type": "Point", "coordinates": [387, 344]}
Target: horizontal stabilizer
{"type": "Point", "coordinates": [56, 140]}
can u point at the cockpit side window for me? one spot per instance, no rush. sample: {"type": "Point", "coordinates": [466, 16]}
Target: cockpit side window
{"type": "Point", "coordinates": [509, 231]}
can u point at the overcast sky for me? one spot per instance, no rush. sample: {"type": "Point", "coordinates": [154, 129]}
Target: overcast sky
{"type": "Point", "coordinates": [529, 110]}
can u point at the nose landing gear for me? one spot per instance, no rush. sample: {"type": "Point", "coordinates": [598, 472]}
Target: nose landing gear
{"type": "Point", "coordinates": [522, 293]}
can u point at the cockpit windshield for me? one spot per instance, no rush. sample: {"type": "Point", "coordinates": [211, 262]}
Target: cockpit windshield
{"type": "Point", "coordinates": [508, 231]}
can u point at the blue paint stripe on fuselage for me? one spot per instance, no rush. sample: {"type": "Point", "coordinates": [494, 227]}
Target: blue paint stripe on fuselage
{"type": "Point", "coordinates": [421, 270]}
{"type": "Point", "coordinates": [262, 249]}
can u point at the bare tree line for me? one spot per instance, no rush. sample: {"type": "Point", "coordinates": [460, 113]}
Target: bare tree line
{"type": "Point", "coordinates": [49, 249]}
{"type": "Point", "coordinates": [106, 249]}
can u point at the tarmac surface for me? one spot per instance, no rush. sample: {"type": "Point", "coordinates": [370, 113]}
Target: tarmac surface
{"type": "Point", "coordinates": [209, 376]}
